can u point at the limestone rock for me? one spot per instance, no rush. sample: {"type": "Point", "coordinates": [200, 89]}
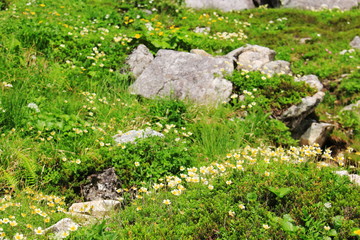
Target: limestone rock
{"type": "Point", "coordinates": [102, 186]}
{"type": "Point", "coordinates": [355, 178]}
{"type": "Point", "coordinates": [185, 76]}
{"type": "Point", "coordinates": [312, 80]}
{"type": "Point", "coordinates": [355, 43]}
{"type": "Point", "coordinates": [61, 227]}
{"type": "Point", "coordinates": [252, 57]}
{"type": "Point", "coordinates": [319, 4]}
{"type": "Point", "coordinates": [351, 106]}
{"type": "Point", "coordinates": [99, 208]}
{"type": "Point", "coordinates": [132, 135]}
{"type": "Point", "coordinates": [200, 52]}
{"type": "Point", "coordinates": [294, 115]}
{"type": "Point", "coordinates": [139, 59]}
{"type": "Point", "coordinates": [224, 5]}
{"type": "Point", "coordinates": [317, 133]}
{"type": "Point", "coordinates": [279, 66]}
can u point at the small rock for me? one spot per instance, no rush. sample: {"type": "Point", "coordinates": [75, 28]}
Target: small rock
{"type": "Point", "coordinates": [317, 133]}
{"type": "Point", "coordinates": [61, 227]}
{"type": "Point", "coordinates": [355, 179]}
{"type": "Point", "coordinates": [132, 135]}
{"type": "Point", "coordinates": [342, 173]}
{"type": "Point", "coordinates": [252, 57]}
{"type": "Point", "coordinates": [312, 80]}
{"type": "Point", "coordinates": [351, 106]}
{"type": "Point", "coordinates": [95, 208]}
{"type": "Point", "coordinates": [202, 30]}
{"type": "Point", "coordinates": [295, 114]}
{"type": "Point", "coordinates": [102, 186]}
{"type": "Point", "coordinates": [355, 43]}
{"type": "Point", "coordinates": [139, 59]}
{"type": "Point", "coordinates": [304, 40]}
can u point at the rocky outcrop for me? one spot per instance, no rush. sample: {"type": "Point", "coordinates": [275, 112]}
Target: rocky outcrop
{"type": "Point", "coordinates": [139, 59]}
{"type": "Point", "coordinates": [316, 133]}
{"type": "Point", "coordinates": [182, 75]}
{"type": "Point", "coordinates": [254, 57]}
{"type": "Point", "coordinates": [294, 116]}
{"type": "Point", "coordinates": [233, 5]}
{"type": "Point", "coordinates": [224, 5]}
{"type": "Point", "coordinates": [355, 43]}
{"type": "Point", "coordinates": [102, 186]}
{"type": "Point", "coordinates": [132, 135]}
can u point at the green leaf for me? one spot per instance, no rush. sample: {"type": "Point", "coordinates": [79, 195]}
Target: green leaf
{"type": "Point", "coordinates": [280, 192]}
{"type": "Point", "coordinates": [332, 233]}
{"type": "Point", "coordinates": [287, 226]}
{"type": "Point", "coordinates": [251, 196]}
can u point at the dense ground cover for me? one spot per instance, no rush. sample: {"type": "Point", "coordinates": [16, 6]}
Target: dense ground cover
{"type": "Point", "coordinates": [63, 95]}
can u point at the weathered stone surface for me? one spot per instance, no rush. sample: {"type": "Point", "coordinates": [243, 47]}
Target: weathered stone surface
{"type": "Point", "coordinates": [102, 186]}
{"type": "Point", "coordinates": [279, 66]}
{"type": "Point", "coordinates": [294, 115]}
{"type": "Point", "coordinates": [351, 106]}
{"type": "Point", "coordinates": [312, 80]}
{"type": "Point", "coordinates": [139, 59]}
{"type": "Point", "coordinates": [185, 76]}
{"type": "Point", "coordinates": [317, 133]}
{"type": "Point", "coordinates": [99, 208]}
{"type": "Point", "coordinates": [355, 43]}
{"type": "Point", "coordinates": [62, 227]}
{"type": "Point", "coordinates": [224, 5]}
{"type": "Point", "coordinates": [355, 178]}
{"type": "Point", "coordinates": [200, 52]}
{"type": "Point", "coordinates": [83, 219]}
{"type": "Point", "coordinates": [269, 3]}
{"type": "Point", "coordinates": [319, 4]}
{"type": "Point", "coordinates": [132, 135]}
{"type": "Point", "coordinates": [252, 57]}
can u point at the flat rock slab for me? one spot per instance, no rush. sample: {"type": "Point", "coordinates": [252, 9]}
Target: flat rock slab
{"type": "Point", "coordinates": [312, 80]}
{"type": "Point", "coordinates": [95, 208]}
{"type": "Point", "coordinates": [294, 115]}
{"type": "Point", "coordinates": [184, 75]}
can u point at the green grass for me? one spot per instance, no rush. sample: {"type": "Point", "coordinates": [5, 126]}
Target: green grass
{"type": "Point", "coordinates": [66, 60]}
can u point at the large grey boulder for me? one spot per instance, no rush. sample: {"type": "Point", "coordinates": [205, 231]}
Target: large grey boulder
{"type": "Point", "coordinates": [319, 4]}
{"type": "Point", "coordinates": [139, 59]}
{"type": "Point", "coordinates": [316, 133]}
{"type": "Point", "coordinates": [132, 135]}
{"type": "Point", "coordinates": [224, 5]}
{"type": "Point", "coordinates": [102, 186]}
{"type": "Point", "coordinates": [355, 43]}
{"type": "Point", "coordinates": [295, 115]}
{"type": "Point", "coordinates": [185, 76]}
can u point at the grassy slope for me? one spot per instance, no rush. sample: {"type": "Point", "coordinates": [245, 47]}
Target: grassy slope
{"type": "Point", "coordinates": [83, 102]}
